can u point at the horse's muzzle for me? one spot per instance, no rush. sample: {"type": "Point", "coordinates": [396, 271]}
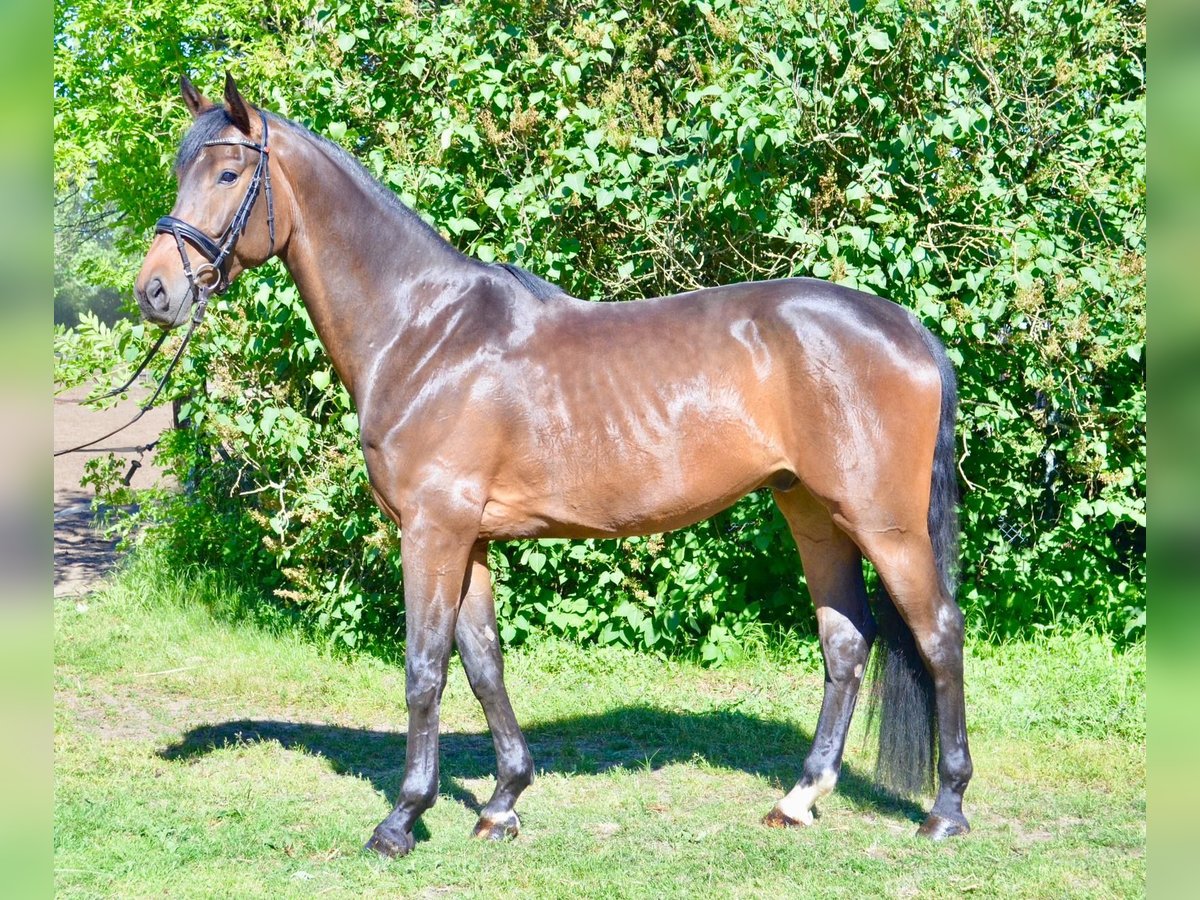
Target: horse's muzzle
{"type": "Point", "coordinates": [158, 304]}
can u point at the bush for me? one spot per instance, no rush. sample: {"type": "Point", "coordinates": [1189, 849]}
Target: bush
{"type": "Point", "coordinates": [980, 163]}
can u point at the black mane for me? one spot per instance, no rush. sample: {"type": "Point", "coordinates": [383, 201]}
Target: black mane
{"type": "Point", "coordinates": [212, 123]}
{"type": "Point", "coordinates": [539, 287]}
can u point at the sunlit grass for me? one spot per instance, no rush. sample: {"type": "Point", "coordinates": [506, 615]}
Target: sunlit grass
{"type": "Point", "coordinates": [204, 749]}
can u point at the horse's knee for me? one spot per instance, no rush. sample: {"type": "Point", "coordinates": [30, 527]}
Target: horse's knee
{"type": "Point", "coordinates": [847, 667]}
{"type": "Point", "coordinates": [942, 644]}
{"type": "Point", "coordinates": [487, 683]}
{"type": "Point", "coordinates": [949, 621]}
{"type": "Point", "coordinates": [423, 691]}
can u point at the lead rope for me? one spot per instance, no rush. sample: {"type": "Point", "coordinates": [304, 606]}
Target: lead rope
{"type": "Point", "coordinates": [197, 315]}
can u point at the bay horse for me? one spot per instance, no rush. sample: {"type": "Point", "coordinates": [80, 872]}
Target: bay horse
{"type": "Point", "coordinates": [493, 406]}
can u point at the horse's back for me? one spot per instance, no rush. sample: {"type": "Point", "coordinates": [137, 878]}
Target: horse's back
{"type": "Point", "coordinates": [649, 415]}
{"type": "Point", "coordinates": [792, 310]}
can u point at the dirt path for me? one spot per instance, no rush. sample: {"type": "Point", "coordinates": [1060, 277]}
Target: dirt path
{"type": "Point", "coordinates": [81, 556]}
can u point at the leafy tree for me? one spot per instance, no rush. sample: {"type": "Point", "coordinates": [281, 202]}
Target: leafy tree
{"type": "Point", "coordinates": [980, 163]}
{"type": "Point", "coordinates": [89, 273]}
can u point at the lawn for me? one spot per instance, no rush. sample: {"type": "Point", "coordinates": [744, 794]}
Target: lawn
{"type": "Point", "coordinates": [199, 752]}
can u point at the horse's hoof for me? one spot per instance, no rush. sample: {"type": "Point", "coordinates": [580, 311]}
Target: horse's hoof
{"type": "Point", "coordinates": [777, 818]}
{"type": "Point", "coordinates": [938, 828]}
{"type": "Point", "coordinates": [497, 829]}
{"type": "Point", "coordinates": [389, 843]}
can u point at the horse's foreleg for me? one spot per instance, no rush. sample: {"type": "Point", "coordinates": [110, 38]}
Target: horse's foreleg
{"type": "Point", "coordinates": [833, 570]}
{"type": "Point", "coordinates": [435, 567]}
{"type": "Point", "coordinates": [479, 647]}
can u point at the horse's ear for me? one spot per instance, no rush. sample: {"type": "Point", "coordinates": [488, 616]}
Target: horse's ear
{"type": "Point", "coordinates": [239, 110]}
{"type": "Point", "coordinates": [195, 101]}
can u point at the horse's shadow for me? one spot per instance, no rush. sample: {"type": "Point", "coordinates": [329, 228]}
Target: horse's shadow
{"type": "Point", "coordinates": [632, 737]}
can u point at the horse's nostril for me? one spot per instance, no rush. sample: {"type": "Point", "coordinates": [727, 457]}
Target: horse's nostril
{"type": "Point", "coordinates": [157, 294]}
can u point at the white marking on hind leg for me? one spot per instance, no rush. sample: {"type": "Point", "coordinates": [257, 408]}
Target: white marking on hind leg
{"type": "Point", "coordinates": [505, 823]}
{"type": "Point", "coordinates": [798, 804]}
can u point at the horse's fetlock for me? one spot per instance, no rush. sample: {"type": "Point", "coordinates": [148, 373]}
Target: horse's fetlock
{"type": "Point", "coordinates": [418, 799]}
{"type": "Point", "coordinates": [822, 775]}
{"type": "Point", "coordinates": [955, 770]}
{"type": "Point", "coordinates": [522, 775]}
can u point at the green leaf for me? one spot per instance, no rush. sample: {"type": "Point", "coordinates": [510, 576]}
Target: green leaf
{"type": "Point", "coordinates": [576, 181]}
{"type": "Point", "coordinates": [880, 40]}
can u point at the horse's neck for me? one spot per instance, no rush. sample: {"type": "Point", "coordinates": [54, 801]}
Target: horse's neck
{"type": "Point", "coordinates": [359, 262]}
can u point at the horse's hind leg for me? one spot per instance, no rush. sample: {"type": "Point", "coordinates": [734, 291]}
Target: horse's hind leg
{"type": "Point", "coordinates": [479, 648]}
{"type": "Point", "coordinates": [833, 570]}
{"type": "Point", "coordinates": [906, 565]}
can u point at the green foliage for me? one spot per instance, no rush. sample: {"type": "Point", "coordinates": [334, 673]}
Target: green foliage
{"type": "Point", "coordinates": [982, 164]}
{"type": "Point", "coordinates": [707, 587]}
{"type": "Point", "coordinates": [89, 274]}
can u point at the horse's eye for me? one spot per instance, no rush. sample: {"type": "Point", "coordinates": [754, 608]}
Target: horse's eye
{"type": "Point", "coordinates": [228, 177]}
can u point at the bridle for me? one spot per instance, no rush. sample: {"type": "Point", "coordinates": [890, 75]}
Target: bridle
{"type": "Point", "coordinates": [210, 277]}
{"type": "Point", "coordinates": [218, 253]}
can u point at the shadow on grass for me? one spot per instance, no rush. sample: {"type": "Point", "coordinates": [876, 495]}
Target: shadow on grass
{"type": "Point", "coordinates": [633, 737]}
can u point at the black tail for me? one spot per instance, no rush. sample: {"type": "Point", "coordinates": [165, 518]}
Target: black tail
{"type": "Point", "coordinates": [902, 693]}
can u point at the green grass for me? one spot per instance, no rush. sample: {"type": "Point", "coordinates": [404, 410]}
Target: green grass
{"type": "Point", "coordinates": [202, 753]}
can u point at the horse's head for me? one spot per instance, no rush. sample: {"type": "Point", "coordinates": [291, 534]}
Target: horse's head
{"type": "Point", "coordinates": [223, 219]}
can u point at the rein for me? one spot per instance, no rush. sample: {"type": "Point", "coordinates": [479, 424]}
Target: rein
{"type": "Point", "coordinates": [209, 278]}
{"type": "Point", "coordinates": [197, 315]}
